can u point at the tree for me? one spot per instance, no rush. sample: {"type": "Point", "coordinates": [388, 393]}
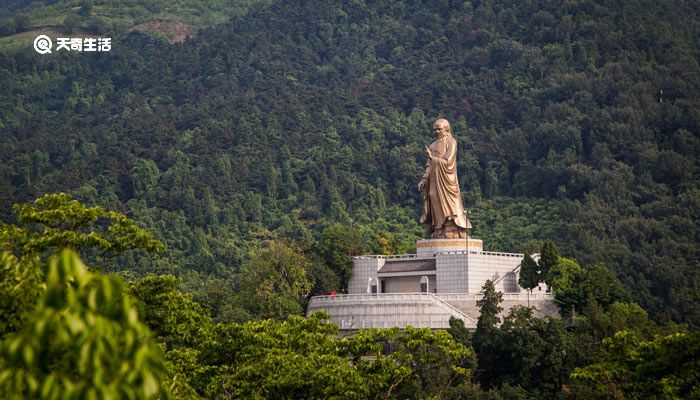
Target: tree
{"type": "Point", "coordinates": [596, 323]}
{"type": "Point", "coordinates": [84, 339]}
{"type": "Point", "coordinates": [180, 325]}
{"type": "Point", "coordinates": [56, 221]}
{"type": "Point", "coordinates": [529, 274]}
{"type": "Point", "coordinates": [618, 185]}
{"type": "Point", "coordinates": [486, 325]}
{"type": "Point", "coordinates": [20, 287]}
{"type": "Point", "coordinates": [529, 352]}
{"type": "Point", "coordinates": [549, 256]}
{"type": "Point", "coordinates": [336, 246]}
{"type": "Point", "coordinates": [70, 23]}
{"type": "Point", "coordinates": [664, 368]}
{"type": "Point", "coordinates": [325, 280]}
{"type": "Point", "coordinates": [8, 26]}
{"type": "Point", "coordinates": [144, 177]}
{"type": "Point", "coordinates": [85, 8]}
{"type": "Point", "coordinates": [305, 358]}
{"type": "Point", "coordinates": [173, 317]}
{"type": "Point", "coordinates": [22, 23]}
{"type": "Point", "coordinates": [574, 286]}
{"type": "Point", "coordinates": [298, 358]}
{"type": "Point", "coordinates": [458, 331]}
{"type": "Point", "coordinates": [435, 360]}
{"type": "Point", "coordinates": [489, 309]}
{"type": "Point", "coordinates": [601, 283]}
{"type": "Point", "coordinates": [274, 281]}
{"type": "Point", "coordinates": [50, 224]}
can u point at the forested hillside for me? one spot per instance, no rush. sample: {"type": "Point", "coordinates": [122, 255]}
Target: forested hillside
{"type": "Point", "coordinates": [305, 122]}
{"type": "Point", "coordinates": [113, 16]}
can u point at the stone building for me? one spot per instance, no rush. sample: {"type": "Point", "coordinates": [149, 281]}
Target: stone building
{"type": "Point", "coordinates": [442, 279]}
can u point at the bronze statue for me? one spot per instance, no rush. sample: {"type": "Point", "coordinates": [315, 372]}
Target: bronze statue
{"type": "Point", "coordinates": [443, 213]}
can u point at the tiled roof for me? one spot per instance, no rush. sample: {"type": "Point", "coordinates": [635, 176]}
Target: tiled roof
{"type": "Point", "coordinates": [408, 266]}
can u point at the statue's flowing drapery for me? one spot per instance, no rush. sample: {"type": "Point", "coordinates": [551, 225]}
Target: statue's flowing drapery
{"type": "Point", "coordinates": [441, 195]}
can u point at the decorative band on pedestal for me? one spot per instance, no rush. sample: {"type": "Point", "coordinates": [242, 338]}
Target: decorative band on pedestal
{"type": "Point", "coordinates": [442, 245]}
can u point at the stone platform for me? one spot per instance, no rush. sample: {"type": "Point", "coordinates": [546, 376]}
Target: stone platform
{"type": "Point", "coordinates": [442, 279]}
{"type": "Point", "coordinates": [420, 310]}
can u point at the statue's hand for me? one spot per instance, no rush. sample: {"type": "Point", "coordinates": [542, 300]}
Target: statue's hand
{"type": "Point", "coordinates": [421, 185]}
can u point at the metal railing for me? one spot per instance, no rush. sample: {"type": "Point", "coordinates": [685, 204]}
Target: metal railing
{"type": "Point", "coordinates": [392, 256]}
{"type": "Point", "coordinates": [506, 296]}
{"type": "Point", "coordinates": [431, 255]}
{"type": "Point", "coordinates": [347, 298]}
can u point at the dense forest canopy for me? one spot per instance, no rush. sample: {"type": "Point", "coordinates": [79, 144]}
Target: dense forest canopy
{"type": "Point", "coordinates": [225, 159]}
{"type": "Point", "coordinates": [577, 121]}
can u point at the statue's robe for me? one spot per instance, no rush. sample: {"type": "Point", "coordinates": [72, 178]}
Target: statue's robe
{"type": "Point", "coordinates": [441, 196]}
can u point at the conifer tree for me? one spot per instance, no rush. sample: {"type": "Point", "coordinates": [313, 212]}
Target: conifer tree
{"type": "Point", "coordinates": [549, 257]}
{"type": "Point", "coordinates": [529, 273]}
{"type": "Point", "coordinates": [486, 325]}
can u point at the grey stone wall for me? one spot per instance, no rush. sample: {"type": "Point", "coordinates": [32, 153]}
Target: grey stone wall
{"type": "Point", "coordinates": [452, 273]}
{"type": "Point", "coordinates": [492, 266]}
{"type": "Point", "coordinates": [364, 269]}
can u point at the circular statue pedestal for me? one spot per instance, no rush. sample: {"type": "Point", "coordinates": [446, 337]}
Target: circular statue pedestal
{"type": "Point", "coordinates": [431, 246]}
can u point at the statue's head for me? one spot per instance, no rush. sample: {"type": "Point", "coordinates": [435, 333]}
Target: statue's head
{"type": "Point", "coordinates": [442, 128]}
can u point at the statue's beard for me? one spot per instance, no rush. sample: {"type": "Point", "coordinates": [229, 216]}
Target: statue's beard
{"type": "Point", "coordinates": [441, 135]}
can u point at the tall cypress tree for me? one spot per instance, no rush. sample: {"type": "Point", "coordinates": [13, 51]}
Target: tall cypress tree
{"type": "Point", "coordinates": [487, 326]}
{"type": "Point", "coordinates": [549, 257]}
{"type": "Point", "coordinates": [529, 273]}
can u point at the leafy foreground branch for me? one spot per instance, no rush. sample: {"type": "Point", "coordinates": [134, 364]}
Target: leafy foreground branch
{"type": "Point", "coordinates": [83, 340]}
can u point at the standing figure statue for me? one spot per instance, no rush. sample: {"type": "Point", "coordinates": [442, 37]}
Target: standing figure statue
{"type": "Point", "coordinates": [443, 213]}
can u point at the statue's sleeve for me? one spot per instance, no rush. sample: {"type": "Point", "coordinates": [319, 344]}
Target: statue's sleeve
{"type": "Point", "coordinates": [446, 173]}
{"type": "Point", "coordinates": [448, 162]}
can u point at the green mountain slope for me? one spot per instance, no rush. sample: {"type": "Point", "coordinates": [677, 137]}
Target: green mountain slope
{"type": "Point", "coordinates": [21, 21]}
{"type": "Point", "coordinates": [299, 114]}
